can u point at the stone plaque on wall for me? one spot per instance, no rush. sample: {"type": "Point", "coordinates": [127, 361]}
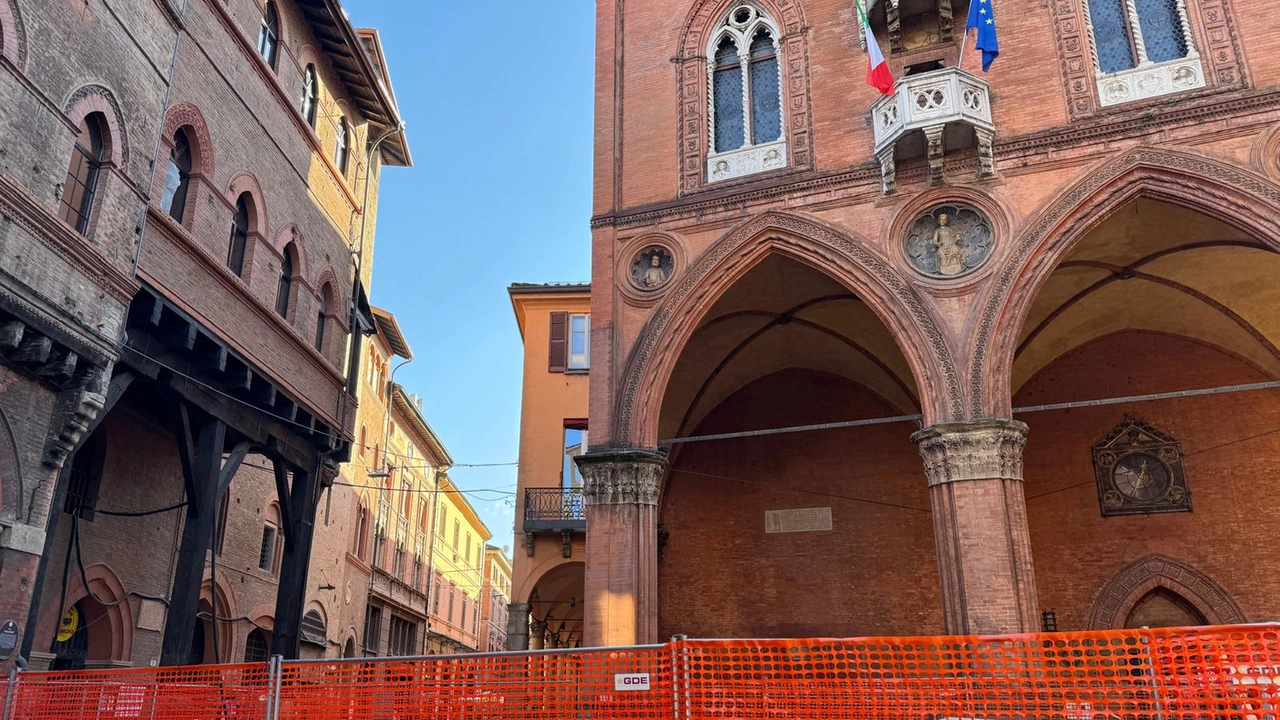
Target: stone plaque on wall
{"type": "Point", "coordinates": [798, 520]}
{"type": "Point", "coordinates": [151, 615]}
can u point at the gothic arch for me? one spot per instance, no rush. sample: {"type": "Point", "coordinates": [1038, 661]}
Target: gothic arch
{"type": "Point", "coordinates": [10, 472]}
{"type": "Point", "coordinates": [691, 83]}
{"type": "Point", "coordinates": [1132, 582]}
{"type": "Point", "coordinates": [291, 235]}
{"type": "Point", "coordinates": [96, 98]}
{"type": "Point", "coordinates": [1232, 195]}
{"type": "Point", "coordinates": [328, 276]}
{"type": "Point", "coordinates": [185, 116]}
{"type": "Point", "coordinates": [13, 36]}
{"type": "Point", "coordinates": [844, 257]}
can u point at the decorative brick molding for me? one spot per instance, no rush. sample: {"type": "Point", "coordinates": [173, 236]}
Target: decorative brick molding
{"type": "Point", "coordinates": [1232, 194]}
{"type": "Point", "coordinates": [692, 130]}
{"type": "Point", "coordinates": [622, 477]}
{"type": "Point", "coordinates": [847, 258]}
{"type": "Point", "coordinates": [188, 116]}
{"type": "Point", "coordinates": [1132, 582]}
{"type": "Point", "coordinates": [979, 450]}
{"type": "Point", "coordinates": [13, 36]}
{"type": "Point", "coordinates": [96, 98]}
{"type": "Point", "coordinates": [1212, 27]}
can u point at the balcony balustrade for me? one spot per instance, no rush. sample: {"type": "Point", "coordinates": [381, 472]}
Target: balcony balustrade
{"type": "Point", "coordinates": [941, 104]}
{"type": "Point", "coordinates": [554, 510]}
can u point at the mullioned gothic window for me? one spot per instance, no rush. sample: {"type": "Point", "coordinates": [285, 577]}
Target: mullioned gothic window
{"type": "Point", "coordinates": [1142, 49]}
{"type": "Point", "coordinates": [745, 99]}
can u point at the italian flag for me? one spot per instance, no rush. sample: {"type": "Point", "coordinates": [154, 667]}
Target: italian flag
{"type": "Point", "coordinates": [878, 75]}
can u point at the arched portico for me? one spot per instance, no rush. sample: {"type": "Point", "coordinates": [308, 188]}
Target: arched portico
{"type": "Point", "coordinates": [1158, 279]}
{"type": "Point", "coordinates": [1246, 201]}
{"type": "Point", "coordinates": [787, 321]}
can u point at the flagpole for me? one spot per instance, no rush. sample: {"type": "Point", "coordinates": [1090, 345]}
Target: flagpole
{"type": "Point", "coordinates": [964, 40]}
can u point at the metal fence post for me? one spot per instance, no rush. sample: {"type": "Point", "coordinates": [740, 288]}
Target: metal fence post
{"type": "Point", "coordinates": [10, 689]}
{"type": "Point", "coordinates": [272, 711]}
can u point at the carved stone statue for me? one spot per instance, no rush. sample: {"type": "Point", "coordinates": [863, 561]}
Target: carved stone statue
{"type": "Point", "coordinates": [655, 275]}
{"type": "Point", "coordinates": [946, 241]}
{"type": "Point", "coordinates": [652, 268]}
{"type": "Point", "coordinates": [949, 240]}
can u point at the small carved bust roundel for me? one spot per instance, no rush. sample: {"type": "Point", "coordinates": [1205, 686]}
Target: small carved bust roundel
{"type": "Point", "coordinates": [949, 240]}
{"type": "Point", "coordinates": [652, 268]}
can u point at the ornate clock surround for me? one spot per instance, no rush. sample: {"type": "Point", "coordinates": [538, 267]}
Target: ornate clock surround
{"type": "Point", "coordinates": [1139, 470]}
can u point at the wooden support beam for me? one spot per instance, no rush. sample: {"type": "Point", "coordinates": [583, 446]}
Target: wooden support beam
{"type": "Point", "coordinates": [34, 350]}
{"type": "Point", "coordinates": [282, 494]}
{"type": "Point", "coordinates": [60, 368]}
{"type": "Point", "coordinates": [304, 498]}
{"type": "Point", "coordinates": [11, 334]}
{"type": "Point", "coordinates": [183, 336]}
{"type": "Point", "coordinates": [212, 359]}
{"type": "Point", "coordinates": [263, 393]}
{"type": "Point", "coordinates": [201, 474]}
{"type": "Point", "coordinates": [231, 465]}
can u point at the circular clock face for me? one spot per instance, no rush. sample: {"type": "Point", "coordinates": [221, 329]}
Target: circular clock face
{"type": "Point", "coordinates": [1141, 477]}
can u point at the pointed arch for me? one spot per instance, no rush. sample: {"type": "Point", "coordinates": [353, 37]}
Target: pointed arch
{"type": "Point", "coordinates": [291, 235]}
{"type": "Point", "coordinates": [247, 182]}
{"type": "Point", "coordinates": [10, 472]}
{"type": "Point", "coordinates": [1237, 197]}
{"type": "Point", "coordinates": [904, 312]}
{"type": "Point", "coordinates": [1133, 582]}
{"type": "Point", "coordinates": [13, 36]}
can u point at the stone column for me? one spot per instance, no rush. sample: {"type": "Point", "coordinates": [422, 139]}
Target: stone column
{"type": "Point", "coordinates": [537, 634]}
{"type": "Point", "coordinates": [518, 626]}
{"type": "Point", "coordinates": [620, 490]}
{"type": "Point", "coordinates": [980, 525]}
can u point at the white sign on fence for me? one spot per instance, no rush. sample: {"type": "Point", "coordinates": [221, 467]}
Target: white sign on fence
{"type": "Point", "coordinates": [631, 681]}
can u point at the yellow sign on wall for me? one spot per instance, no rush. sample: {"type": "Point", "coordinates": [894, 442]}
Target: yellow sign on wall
{"type": "Point", "coordinates": [69, 624]}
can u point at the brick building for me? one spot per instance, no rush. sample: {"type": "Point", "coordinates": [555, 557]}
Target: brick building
{"type": "Point", "coordinates": [937, 272]}
{"type": "Point", "coordinates": [188, 194]}
{"type": "Point", "coordinates": [547, 573]}
{"type": "Point", "coordinates": [495, 596]}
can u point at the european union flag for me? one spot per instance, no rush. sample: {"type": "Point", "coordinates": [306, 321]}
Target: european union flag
{"type": "Point", "coordinates": [982, 16]}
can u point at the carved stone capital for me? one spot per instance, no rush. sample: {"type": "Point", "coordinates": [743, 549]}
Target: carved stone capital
{"type": "Point", "coordinates": [621, 477]}
{"type": "Point", "coordinates": [979, 450]}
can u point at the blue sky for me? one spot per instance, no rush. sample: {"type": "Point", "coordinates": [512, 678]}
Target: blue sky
{"type": "Point", "coordinates": [497, 96]}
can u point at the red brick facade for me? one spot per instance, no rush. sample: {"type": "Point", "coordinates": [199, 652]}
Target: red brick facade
{"type": "Point", "coordinates": [141, 321]}
{"type": "Point", "coordinates": [1130, 240]}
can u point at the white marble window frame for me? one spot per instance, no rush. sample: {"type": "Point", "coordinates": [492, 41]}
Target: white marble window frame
{"type": "Point", "coordinates": [750, 158]}
{"type": "Point", "coordinates": [1148, 79]}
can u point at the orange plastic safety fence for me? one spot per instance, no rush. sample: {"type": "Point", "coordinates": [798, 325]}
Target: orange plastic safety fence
{"type": "Point", "coordinates": [1177, 674]}
{"type": "Point", "coordinates": [532, 686]}
{"type": "Point", "coordinates": [1164, 674]}
{"type": "Point", "coordinates": [173, 693]}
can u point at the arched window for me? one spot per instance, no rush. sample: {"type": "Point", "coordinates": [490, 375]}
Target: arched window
{"type": "Point", "coordinates": [364, 440]}
{"type": "Point", "coordinates": [322, 316]}
{"type": "Point", "coordinates": [746, 96]}
{"type": "Point", "coordinates": [1128, 35]}
{"type": "Point", "coordinates": [76, 205]}
{"type": "Point", "coordinates": [239, 235]}
{"type": "Point", "coordinates": [1164, 608]}
{"type": "Point", "coordinates": [269, 35]}
{"type": "Point", "coordinates": [177, 177]}
{"type": "Point", "coordinates": [310, 95]}
{"type": "Point", "coordinates": [727, 101]}
{"type": "Point", "coordinates": [255, 646]}
{"type": "Point", "coordinates": [285, 286]}
{"type": "Point", "coordinates": [340, 146]}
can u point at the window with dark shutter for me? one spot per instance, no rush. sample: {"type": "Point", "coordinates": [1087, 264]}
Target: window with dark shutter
{"type": "Point", "coordinates": [559, 354]}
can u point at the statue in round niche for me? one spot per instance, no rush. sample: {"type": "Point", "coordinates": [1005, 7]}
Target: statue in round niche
{"type": "Point", "coordinates": [949, 240]}
{"type": "Point", "coordinates": [652, 267]}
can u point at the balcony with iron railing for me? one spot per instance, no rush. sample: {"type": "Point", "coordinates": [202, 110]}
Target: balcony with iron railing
{"type": "Point", "coordinates": [930, 113]}
{"type": "Point", "coordinates": [554, 510]}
